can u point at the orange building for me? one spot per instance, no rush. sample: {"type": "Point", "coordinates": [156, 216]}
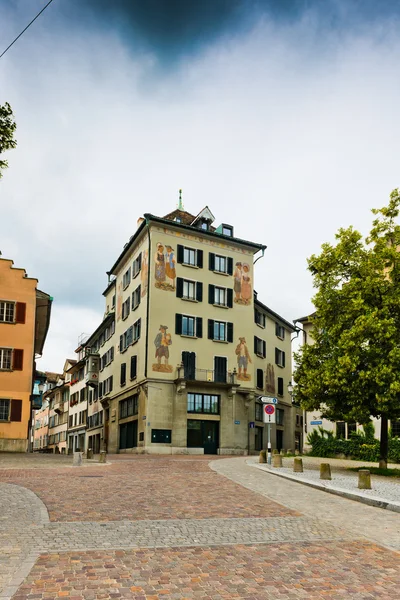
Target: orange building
{"type": "Point", "coordinates": [24, 322]}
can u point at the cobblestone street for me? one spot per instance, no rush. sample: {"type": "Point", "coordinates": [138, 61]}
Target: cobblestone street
{"type": "Point", "coordinates": [184, 528]}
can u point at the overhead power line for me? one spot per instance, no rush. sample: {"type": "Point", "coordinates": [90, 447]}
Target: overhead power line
{"type": "Point", "coordinates": [27, 27]}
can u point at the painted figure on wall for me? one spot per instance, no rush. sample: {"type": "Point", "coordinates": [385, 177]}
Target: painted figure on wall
{"type": "Point", "coordinates": [170, 262]}
{"type": "Point", "coordinates": [165, 268]}
{"type": "Point", "coordinates": [144, 273]}
{"type": "Point", "coordinates": [243, 359]}
{"type": "Point", "coordinates": [242, 284]}
{"type": "Point", "coordinates": [270, 380]}
{"type": "Point", "coordinates": [162, 342]}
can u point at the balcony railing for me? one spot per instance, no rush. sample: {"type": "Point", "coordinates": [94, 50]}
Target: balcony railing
{"type": "Point", "coordinates": [207, 375]}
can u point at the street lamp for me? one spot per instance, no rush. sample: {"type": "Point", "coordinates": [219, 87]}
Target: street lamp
{"type": "Point", "coordinates": [290, 389]}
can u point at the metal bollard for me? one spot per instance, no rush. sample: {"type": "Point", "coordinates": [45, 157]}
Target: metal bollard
{"type": "Point", "coordinates": [298, 465]}
{"type": "Point", "coordinates": [364, 479]}
{"type": "Point", "coordinates": [325, 471]}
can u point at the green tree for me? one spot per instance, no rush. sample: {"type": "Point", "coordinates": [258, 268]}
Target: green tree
{"type": "Point", "coordinates": [7, 130]}
{"type": "Point", "coordinates": [352, 371]}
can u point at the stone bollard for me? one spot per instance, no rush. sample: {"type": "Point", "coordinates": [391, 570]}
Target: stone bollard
{"type": "Point", "coordinates": [282, 452]}
{"type": "Point", "coordinates": [325, 471]}
{"type": "Point", "coordinates": [275, 451]}
{"type": "Point", "coordinates": [298, 465]}
{"type": "Point", "coordinates": [263, 456]}
{"type": "Point", "coordinates": [364, 479]}
{"type": "Point", "coordinates": [277, 460]}
{"type": "Point", "coordinates": [89, 453]}
{"type": "Point", "coordinates": [77, 461]}
{"type": "Point", "coordinates": [103, 456]}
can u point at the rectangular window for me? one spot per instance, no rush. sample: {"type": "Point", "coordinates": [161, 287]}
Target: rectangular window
{"type": "Point", "coordinates": [203, 403]}
{"type": "Point", "coordinates": [113, 302]}
{"type": "Point", "coordinates": [137, 265]}
{"type": "Point", "coordinates": [7, 310]}
{"type": "Point", "coordinates": [260, 379]}
{"type": "Point", "coordinates": [279, 357]}
{"type": "Point", "coordinates": [260, 347]}
{"type": "Point", "coordinates": [136, 296]}
{"type": "Point", "coordinates": [136, 330]}
{"type": "Point", "coordinates": [129, 407]}
{"type": "Point", "coordinates": [123, 374]}
{"type": "Point", "coordinates": [279, 331]}
{"type": "Point", "coordinates": [126, 279]}
{"type": "Point", "coordinates": [108, 385]}
{"type": "Point", "coordinates": [82, 394]}
{"type": "Point", "coordinates": [220, 296]}
{"type": "Point", "coordinates": [341, 429]}
{"type": "Point", "coordinates": [4, 410]}
{"type": "Point", "coordinates": [259, 318]}
{"type": "Point", "coordinates": [395, 427]}
{"type": "Point", "coordinates": [227, 230]}
{"type": "Point", "coordinates": [279, 416]}
{"type": "Point", "coordinates": [188, 326]}
{"type": "Point", "coordinates": [220, 264]}
{"type": "Point", "coordinates": [161, 436]}
{"type": "Point", "coordinates": [280, 386]}
{"type": "Point", "coordinates": [190, 256]}
{"type": "Point", "coordinates": [220, 331]}
{"type": "Point", "coordinates": [133, 367]}
{"type": "Point", "coordinates": [351, 428]}
{"type": "Point", "coordinates": [126, 308]}
{"type": "Point", "coordinates": [259, 411]}
{"type": "Point", "coordinates": [5, 358]}
{"type": "Point", "coordinates": [189, 290]}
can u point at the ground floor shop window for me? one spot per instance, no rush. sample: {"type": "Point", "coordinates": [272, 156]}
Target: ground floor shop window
{"type": "Point", "coordinates": [128, 435]}
{"type": "Point", "coordinates": [203, 434]}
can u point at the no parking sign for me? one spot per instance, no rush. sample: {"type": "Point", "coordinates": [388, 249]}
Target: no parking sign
{"type": "Point", "coordinates": [269, 413]}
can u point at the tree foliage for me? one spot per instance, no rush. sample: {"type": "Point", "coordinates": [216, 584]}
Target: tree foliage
{"type": "Point", "coordinates": [351, 372]}
{"type": "Point", "coordinates": [7, 131]}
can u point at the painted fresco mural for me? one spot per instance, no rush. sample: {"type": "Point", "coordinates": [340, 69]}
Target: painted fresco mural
{"type": "Point", "coordinates": [270, 379]}
{"type": "Point", "coordinates": [242, 285]}
{"type": "Point", "coordinates": [144, 272]}
{"type": "Point", "coordinates": [165, 268]}
{"type": "Point", "coordinates": [162, 343]}
{"type": "Point", "coordinates": [243, 360]}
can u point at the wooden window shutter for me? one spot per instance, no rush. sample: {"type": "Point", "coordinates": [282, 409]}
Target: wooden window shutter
{"type": "Point", "coordinates": [200, 258]}
{"type": "Point", "coordinates": [178, 324]}
{"type": "Point", "coordinates": [112, 353]}
{"type": "Point", "coordinates": [20, 312]}
{"type": "Point", "coordinates": [229, 332]}
{"type": "Point", "coordinates": [264, 349]}
{"type": "Point", "coordinates": [139, 327]}
{"type": "Point", "coordinates": [139, 259]}
{"type": "Point", "coordinates": [111, 383]}
{"type": "Point", "coordinates": [18, 360]}
{"type": "Point", "coordinates": [283, 359]}
{"type": "Point", "coordinates": [199, 327]}
{"type": "Point", "coordinates": [133, 367]}
{"type": "Point", "coordinates": [260, 378]}
{"type": "Point", "coordinates": [230, 266]}
{"type": "Point", "coordinates": [179, 256]}
{"type": "Point", "coordinates": [100, 389]}
{"type": "Point", "coordinates": [211, 294]}
{"type": "Point", "coordinates": [229, 297]}
{"type": "Point", "coordinates": [16, 410]}
{"type": "Point", "coordinates": [276, 329]}
{"type": "Point", "coordinates": [211, 261]}
{"type": "Point", "coordinates": [179, 287]}
{"type": "Point", "coordinates": [123, 374]}
{"type": "Point", "coordinates": [199, 291]}
{"type": "Point", "coordinates": [276, 356]}
{"type": "Point", "coordinates": [210, 329]}
{"type": "Point", "coordinates": [255, 345]}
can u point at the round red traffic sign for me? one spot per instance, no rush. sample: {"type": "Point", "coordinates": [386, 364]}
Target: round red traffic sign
{"type": "Point", "coordinates": [269, 409]}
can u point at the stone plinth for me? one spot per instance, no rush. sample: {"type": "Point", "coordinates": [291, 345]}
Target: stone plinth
{"type": "Point", "coordinates": [325, 471]}
{"type": "Point", "coordinates": [77, 460]}
{"type": "Point", "coordinates": [298, 465]}
{"type": "Point", "coordinates": [263, 456]}
{"type": "Point", "coordinates": [364, 479]}
{"type": "Point", "coordinates": [277, 460]}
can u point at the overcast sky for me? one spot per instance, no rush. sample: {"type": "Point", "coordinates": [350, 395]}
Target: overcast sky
{"type": "Point", "coordinates": [282, 116]}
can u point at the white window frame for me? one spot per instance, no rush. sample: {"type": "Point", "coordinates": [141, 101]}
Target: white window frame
{"type": "Point", "coordinates": [5, 306]}
{"type": "Point", "coordinates": [4, 352]}
{"type": "Point", "coordinates": [219, 339]}
{"type": "Point", "coordinates": [189, 284]}
{"type": "Point", "coordinates": [136, 326]}
{"type": "Point", "coordinates": [260, 347]}
{"type": "Point", "coordinates": [188, 253]}
{"type": "Point", "coordinates": [217, 263]}
{"type": "Point", "coordinates": [279, 331]}
{"type": "Point", "coordinates": [5, 400]}
{"type": "Point", "coordinates": [280, 361]}
{"type": "Point", "coordinates": [194, 325]}
{"type": "Point", "coordinates": [126, 279]}
{"type": "Point", "coordinates": [220, 296]}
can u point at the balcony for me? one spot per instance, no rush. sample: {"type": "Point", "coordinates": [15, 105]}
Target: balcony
{"type": "Point", "coordinates": [206, 377]}
{"type": "Point", "coordinates": [59, 407]}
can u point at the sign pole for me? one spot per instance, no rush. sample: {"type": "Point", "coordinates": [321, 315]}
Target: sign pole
{"type": "Point", "coordinates": [269, 443]}
{"type": "Point", "coordinates": [269, 417]}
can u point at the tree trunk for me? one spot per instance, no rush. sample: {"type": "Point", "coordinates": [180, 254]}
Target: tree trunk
{"type": "Point", "coordinates": [383, 450]}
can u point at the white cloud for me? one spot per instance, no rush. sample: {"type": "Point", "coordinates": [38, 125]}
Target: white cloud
{"type": "Point", "coordinates": [283, 134]}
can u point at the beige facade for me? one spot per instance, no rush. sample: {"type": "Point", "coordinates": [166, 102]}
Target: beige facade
{"type": "Point", "coordinates": [77, 411]}
{"type": "Point", "coordinates": [58, 398]}
{"type": "Point", "coordinates": [177, 345]}
{"type": "Point", "coordinates": [41, 427]}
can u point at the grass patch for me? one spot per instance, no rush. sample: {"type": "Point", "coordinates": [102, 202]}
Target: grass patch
{"type": "Point", "coordinates": [378, 471]}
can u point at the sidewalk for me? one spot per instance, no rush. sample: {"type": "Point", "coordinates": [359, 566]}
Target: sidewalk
{"type": "Point", "coordinates": [385, 492]}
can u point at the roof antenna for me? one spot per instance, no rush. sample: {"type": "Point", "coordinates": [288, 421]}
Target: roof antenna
{"type": "Point", "coordinates": [180, 205]}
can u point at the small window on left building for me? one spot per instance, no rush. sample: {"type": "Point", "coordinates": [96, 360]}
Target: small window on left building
{"type": "Point", "coordinates": [7, 312]}
{"type": "Point", "coordinates": [5, 359]}
{"type": "Point", "coordinates": [4, 409]}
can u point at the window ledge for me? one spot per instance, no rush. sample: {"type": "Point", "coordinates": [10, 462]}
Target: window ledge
{"type": "Point", "coordinates": [189, 299]}
{"type": "Point", "coordinates": [221, 273]}
{"type": "Point", "coordinates": [260, 355]}
{"type": "Point", "coordinates": [260, 326]}
{"type": "Point", "coordinates": [221, 341]}
{"type": "Point", "coordinates": [280, 366]}
{"type": "Point", "coordinates": [9, 323]}
{"type": "Point", "coordinates": [221, 305]}
{"type": "Point", "coordinates": [280, 338]}
{"type": "Point", "coordinates": [136, 307]}
{"type": "Point", "coordinates": [192, 337]}
{"type": "Point", "coordinates": [122, 384]}
{"type": "Point", "coordinates": [191, 266]}
{"type": "Point", "coordinates": [133, 378]}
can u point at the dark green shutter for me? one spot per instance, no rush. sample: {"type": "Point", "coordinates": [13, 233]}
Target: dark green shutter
{"type": "Point", "coordinates": [211, 294]}
{"type": "Point", "coordinates": [230, 266]}
{"type": "Point", "coordinates": [179, 287]}
{"type": "Point", "coordinates": [210, 329]}
{"type": "Point", "coordinates": [200, 258]}
{"type": "Point", "coordinates": [123, 374]}
{"type": "Point", "coordinates": [230, 332]}
{"type": "Point", "coordinates": [255, 345]}
{"type": "Point", "coordinates": [283, 359]}
{"type": "Point", "coordinates": [276, 356]}
{"type": "Point", "coordinates": [178, 324]}
{"type": "Point", "coordinates": [229, 293]}
{"type": "Point", "coordinates": [264, 349]}
{"type": "Point", "coordinates": [180, 253]}
{"type": "Point", "coordinates": [211, 261]}
{"type": "Point", "coordinates": [199, 327]}
{"type": "Point", "coordinates": [199, 291]}
{"type": "Point", "coordinates": [133, 367]}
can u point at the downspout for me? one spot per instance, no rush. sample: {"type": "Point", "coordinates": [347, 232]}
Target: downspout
{"type": "Point", "coordinates": [263, 249]}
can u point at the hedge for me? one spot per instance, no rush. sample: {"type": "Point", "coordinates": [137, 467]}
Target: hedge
{"type": "Point", "coordinates": [360, 446]}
